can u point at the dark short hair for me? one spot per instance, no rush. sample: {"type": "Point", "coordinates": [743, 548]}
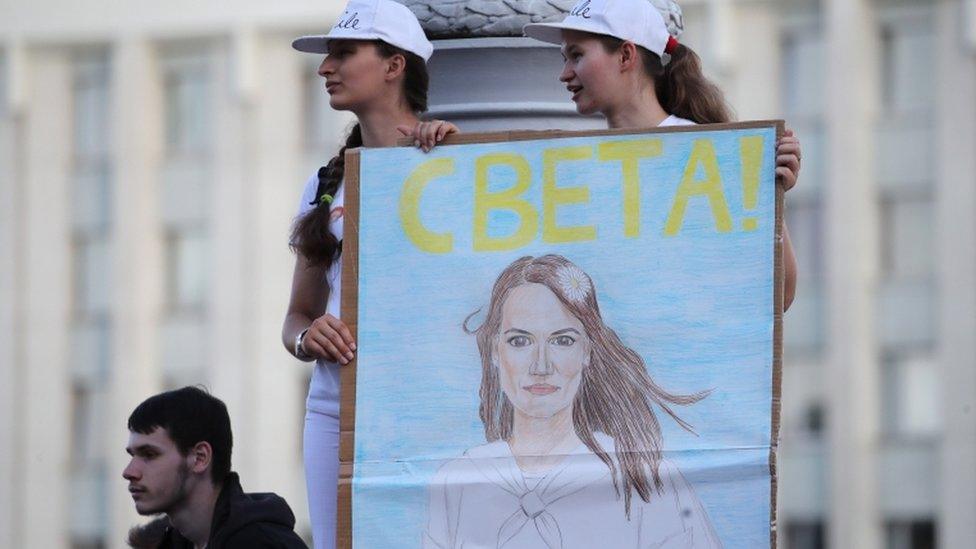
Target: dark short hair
{"type": "Point", "coordinates": [190, 415]}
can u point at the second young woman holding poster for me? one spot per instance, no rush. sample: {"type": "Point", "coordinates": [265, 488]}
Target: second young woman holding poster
{"type": "Point", "coordinates": [623, 60]}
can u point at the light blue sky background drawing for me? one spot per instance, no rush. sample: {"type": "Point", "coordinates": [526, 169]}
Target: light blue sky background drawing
{"type": "Point", "coordinates": [697, 306]}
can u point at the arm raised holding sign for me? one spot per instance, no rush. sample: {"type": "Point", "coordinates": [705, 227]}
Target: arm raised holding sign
{"type": "Point", "coordinates": [640, 76]}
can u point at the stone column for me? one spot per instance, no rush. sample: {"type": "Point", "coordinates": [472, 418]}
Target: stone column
{"type": "Point", "coordinates": [852, 371]}
{"type": "Point", "coordinates": [749, 56]}
{"type": "Point", "coordinates": [43, 398]}
{"type": "Point", "coordinates": [229, 365]}
{"type": "Point", "coordinates": [11, 307]}
{"type": "Point", "coordinates": [137, 259]}
{"type": "Point", "coordinates": [486, 76]}
{"type": "Point", "coordinates": [276, 382]}
{"type": "Point", "coordinates": [252, 264]}
{"type": "Point", "coordinates": [956, 240]}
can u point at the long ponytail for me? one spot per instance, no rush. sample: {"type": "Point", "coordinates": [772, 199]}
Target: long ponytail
{"type": "Point", "coordinates": [681, 87]}
{"type": "Point", "coordinates": [311, 236]}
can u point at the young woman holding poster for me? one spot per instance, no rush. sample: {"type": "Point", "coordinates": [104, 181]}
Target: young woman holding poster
{"type": "Point", "coordinates": [623, 60]}
{"type": "Point", "coordinates": [376, 68]}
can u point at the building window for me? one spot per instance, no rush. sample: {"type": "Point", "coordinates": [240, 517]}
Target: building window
{"type": "Point", "coordinates": [186, 179]}
{"type": "Point", "coordinates": [906, 305]}
{"type": "Point", "coordinates": [190, 95]}
{"type": "Point", "coordinates": [805, 535]}
{"type": "Point", "coordinates": [806, 333]}
{"type": "Point", "coordinates": [911, 397]}
{"type": "Point", "coordinates": [804, 69]}
{"type": "Point", "coordinates": [4, 82]}
{"type": "Point", "coordinates": [318, 132]}
{"type": "Point", "coordinates": [803, 101]}
{"type": "Point", "coordinates": [813, 420]}
{"type": "Point", "coordinates": [188, 268]}
{"type": "Point", "coordinates": [907, 223]}
{"type": "Point", "coordinates": [906, 57]}
{"type": "Point", "coordinates": [325, 128]}
{"type": "Point", "coordinates": [91, 213]}
{"type": "Point", "coordinates": [91, 277]}
{"type": "Point", "coordinates": [86, 423]}
{"type": "Point", "coordinates": [187, 89]}
{"type": "Point", "coordinates": [91, 222]}
{"type": "Point", "coordinates": [912, 534]}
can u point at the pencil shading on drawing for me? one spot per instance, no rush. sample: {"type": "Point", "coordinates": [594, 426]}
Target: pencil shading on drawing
{"type": "Point", "coordinates": [570, 428]}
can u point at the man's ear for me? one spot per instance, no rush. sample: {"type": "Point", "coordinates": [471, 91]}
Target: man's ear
{"type": "Point", "coordinates": [395, 66]}
{"type": "Point", "coordinates": [200, 457]}
{"type": "Point", "coordinates": [629, 56]}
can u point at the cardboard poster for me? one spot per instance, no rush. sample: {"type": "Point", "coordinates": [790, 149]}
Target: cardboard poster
{"type": "Point", "coordinates": [566, 340]}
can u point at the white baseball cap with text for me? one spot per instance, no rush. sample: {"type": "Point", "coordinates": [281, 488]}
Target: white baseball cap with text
{"type": "Point", "coordinates": [638, 21]}
{"type": "Point", "coordinates": [384, 20]}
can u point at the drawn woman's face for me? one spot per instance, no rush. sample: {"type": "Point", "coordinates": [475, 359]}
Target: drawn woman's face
{"type": "Point", "coordinates": [540, 351]}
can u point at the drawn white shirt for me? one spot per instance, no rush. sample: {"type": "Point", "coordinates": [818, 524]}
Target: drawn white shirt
{"type": "Point", "coordinates": [483, 500]}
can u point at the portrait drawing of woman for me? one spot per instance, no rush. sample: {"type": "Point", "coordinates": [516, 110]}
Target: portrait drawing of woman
{"type": "Point", "coordinates": [574, 456]}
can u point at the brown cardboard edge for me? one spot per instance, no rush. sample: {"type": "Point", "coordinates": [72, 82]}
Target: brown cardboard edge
{"type": "Point", "coordinates": [347, 374]}
{"type": "Point", "coordinates": [530, 135]}
{"type": "Point", "coordinates": [779, 279]}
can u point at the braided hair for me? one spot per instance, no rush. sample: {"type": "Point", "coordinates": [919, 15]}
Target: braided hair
{"type": "Point", "coordinates": [311, 236]}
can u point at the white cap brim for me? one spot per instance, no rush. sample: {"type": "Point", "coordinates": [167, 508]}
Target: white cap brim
{"type": "Point", "coordinates": [319, 43]}
{"type": "Point", "coordinates": [552, 33]}
{"type": "Point", "coordinates": [312, 44]}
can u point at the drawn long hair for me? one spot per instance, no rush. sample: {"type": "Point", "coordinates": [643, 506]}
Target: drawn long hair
{"type": "Point", "coordinates": [616, 395]}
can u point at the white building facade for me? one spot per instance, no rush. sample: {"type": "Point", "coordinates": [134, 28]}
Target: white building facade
{"type": "Point", "coordinates": [151, 159]}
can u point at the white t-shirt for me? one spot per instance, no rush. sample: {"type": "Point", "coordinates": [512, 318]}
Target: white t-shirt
{"type": "Point", "coordinates": [323, 393]}
{"type": "Point", "coordinates": [673, 120]}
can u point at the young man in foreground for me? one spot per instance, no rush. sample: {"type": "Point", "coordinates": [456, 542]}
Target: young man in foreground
{"type": "Point", "coordinates": [180, 442]}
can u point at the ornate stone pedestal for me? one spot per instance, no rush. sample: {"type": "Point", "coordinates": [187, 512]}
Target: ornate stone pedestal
{"type": "Point", "coordinates": [484, 18]}
{"type": "Point", "coordinates": [485, 76]}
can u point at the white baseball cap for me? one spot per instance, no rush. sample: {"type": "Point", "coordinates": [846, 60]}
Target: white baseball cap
{"type": "Point", "coordinates": [384, 20]}
{"type": "Point", "coordinates": [639, 21]}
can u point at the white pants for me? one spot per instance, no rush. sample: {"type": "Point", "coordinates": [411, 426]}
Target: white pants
{"type": "Point", "coordinates": [321, 451]}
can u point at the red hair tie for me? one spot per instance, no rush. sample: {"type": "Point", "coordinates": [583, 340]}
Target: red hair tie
{"type": "Point", "coordinates": [672, 45]}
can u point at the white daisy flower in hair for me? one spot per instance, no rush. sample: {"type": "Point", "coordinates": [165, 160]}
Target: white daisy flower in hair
{"type": "Point", "coordinates": [673, 18]}
{"type": "Point", "coordinates": [576, 286]}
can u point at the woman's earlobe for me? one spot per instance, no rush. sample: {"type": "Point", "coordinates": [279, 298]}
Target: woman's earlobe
{"type": "Point", "coordinates": [628, 55]}
{"type": "Point", "coordinates": [397, 65]}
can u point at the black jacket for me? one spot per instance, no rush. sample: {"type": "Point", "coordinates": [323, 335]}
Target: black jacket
{"type": "Point", "coordinates": [245, 521]}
